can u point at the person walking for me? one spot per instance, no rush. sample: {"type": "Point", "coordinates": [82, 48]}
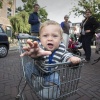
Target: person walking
{"type": "Point", "coordinates": [34, 21]}
{"type": "Point", "coordinates": [88, 27]}
{"type": "Point", "coordinates": [66, 26]}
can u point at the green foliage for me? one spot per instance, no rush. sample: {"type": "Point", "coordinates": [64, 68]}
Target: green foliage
{"type": "Point", "coordinates": [93, 5]}
{"type": "Point", "coordinates": [28, 7]}
{"type": "Point", "coordinates": [19, 22]}
{"type": "Point", "coordinates": [19, 9]}
{"type": "Point", "coordinates": [0, 4]}
{"type": "Point", "coordinates": [43, 14]}
{"type": "Point", "coordinates": [24, 0]}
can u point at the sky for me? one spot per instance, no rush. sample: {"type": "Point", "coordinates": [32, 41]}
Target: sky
{"type": "Point", "coordinates": [57, 9]}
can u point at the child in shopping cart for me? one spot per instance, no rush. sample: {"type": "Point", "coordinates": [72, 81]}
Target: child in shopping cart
{"type": "Point", "coordinates": [51, 49]}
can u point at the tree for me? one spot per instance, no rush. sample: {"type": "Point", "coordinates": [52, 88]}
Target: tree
{"type": "Point", "coordinates": [0, 4]}
{"type": "Point", "coordinates": [43, 14]}
{"type": "Point", "coordinates": [28, 7]}
{"type": "Point", "coordinates": [93, 5]}
{"type": "Point", "coordinates": [20, 23]}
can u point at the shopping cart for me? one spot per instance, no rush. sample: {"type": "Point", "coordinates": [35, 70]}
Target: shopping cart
{"type": "Point", "coordinates": [67, 76]}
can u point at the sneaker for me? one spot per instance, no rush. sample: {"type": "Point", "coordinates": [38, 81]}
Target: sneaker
{"type": "Point", "coordinates": [86, 61]}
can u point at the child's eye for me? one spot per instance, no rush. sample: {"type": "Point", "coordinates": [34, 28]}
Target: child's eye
{"type": "Point", "coordinates": [44, 35]}
{"type": "Point", "coordinates": [55, 36]}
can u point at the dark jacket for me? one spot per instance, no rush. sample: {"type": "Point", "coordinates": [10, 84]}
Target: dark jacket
{"type": "Point", "coordinates": [34, 21]}
{"type": "Point", "coordinates": [91, 24]}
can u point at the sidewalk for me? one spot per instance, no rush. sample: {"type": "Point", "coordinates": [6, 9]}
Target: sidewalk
{"type": "Point", "coordinates": [13, 47]}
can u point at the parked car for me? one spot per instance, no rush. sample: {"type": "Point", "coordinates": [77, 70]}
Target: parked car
{"type": "Point", "coordinates": [4, 43]}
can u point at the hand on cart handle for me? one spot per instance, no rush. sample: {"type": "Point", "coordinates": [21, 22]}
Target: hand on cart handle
{"type": "Point", "coordinates": [34, 50]}
{"type": "Point", "coordinates": [74, 60]}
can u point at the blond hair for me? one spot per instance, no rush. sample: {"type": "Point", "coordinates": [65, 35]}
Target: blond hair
{"type": "Point", "coordinates": [51, 22]}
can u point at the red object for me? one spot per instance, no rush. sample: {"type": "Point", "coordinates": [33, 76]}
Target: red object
{"type": "Point", "coordinates": [72, 44]}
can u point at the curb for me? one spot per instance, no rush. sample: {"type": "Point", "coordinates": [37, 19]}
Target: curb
{"type": "Point", "coordinates": [13, 48]}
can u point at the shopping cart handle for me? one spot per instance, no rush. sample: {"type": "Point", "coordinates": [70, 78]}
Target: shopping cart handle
{"type": "Point", "coordinates": [26, 36]}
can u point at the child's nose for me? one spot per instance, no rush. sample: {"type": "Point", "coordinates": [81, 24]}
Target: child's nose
{"type": "Point", "coordinates": [50, 38]}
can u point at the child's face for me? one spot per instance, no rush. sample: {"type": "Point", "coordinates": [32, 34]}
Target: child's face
{"type": "Point", "coordinates": [50, 37]}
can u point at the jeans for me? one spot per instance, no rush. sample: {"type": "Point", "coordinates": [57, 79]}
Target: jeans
{"type": "Point", "coordinates": [50, 82]}
{"type": "Point", "coordinates": [52, 77]}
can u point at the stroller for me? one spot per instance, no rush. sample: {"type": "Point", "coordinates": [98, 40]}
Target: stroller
{"type": "Point", "coordinates": [97, 38]}
{"type": "Point", "coordinates": [68, 76]}
{"type": "Point", "coordinates": [74, 46]}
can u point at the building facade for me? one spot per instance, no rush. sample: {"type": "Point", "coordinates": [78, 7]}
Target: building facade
{"type": "Point", "coordinates": [8, 9]}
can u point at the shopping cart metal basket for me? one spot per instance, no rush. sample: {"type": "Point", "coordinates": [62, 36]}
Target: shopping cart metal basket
{"type": "Point", "coordinates": [65, 76]}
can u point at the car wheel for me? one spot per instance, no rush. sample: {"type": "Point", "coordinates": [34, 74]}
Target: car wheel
{"type": "Point", "coordinates": [3, 51]}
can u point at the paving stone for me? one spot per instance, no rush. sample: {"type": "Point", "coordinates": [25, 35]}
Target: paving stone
{"type": "Point", "coordinates": [5, 97]}
{"type": "Point", "coordinates": [84, 98]}
{"type": "Point", "coordinates": [11, 72]}
{"type": "Point", "coordinates": [14, 91]}
{"type": "Point", "coordinates": [74, 97]}
{"type": "Point", "coordinates": [94, 94]}
{"type": "Point", "coordinates": [94, 88]}
{"type": "Point", "coordinates": [86, 86]}
{"type": "Point", "coordinates": [2, 87]}
{"type": "Point", "coordinates": [7, 90]}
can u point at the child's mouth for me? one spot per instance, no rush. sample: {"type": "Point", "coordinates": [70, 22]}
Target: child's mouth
{"type": "Point", "coordinates": [50, 45]}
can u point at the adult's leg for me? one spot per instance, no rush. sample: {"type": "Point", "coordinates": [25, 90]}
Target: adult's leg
{"type": "Point", "coordinates": [35, 34]}
{"type": "Point", "coordinates": [87, 46]}
{"type": "Point", "coordinates": [83, 43]}
{"type": "Point", "coordinates": [66, 39]}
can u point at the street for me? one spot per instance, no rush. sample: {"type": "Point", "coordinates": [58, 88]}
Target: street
{"type": "Point", "coordinates": [11, 72]}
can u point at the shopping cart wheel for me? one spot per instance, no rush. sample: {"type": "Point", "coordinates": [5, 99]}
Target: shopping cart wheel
{"type": "Point", "coordinates": [20, 97]}
{"type": "Point", "coordinates": [17, 98]}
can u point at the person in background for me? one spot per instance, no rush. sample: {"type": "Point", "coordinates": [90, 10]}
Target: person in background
{"type": "Point", "coordinates": [66, 26]}
{"type": "Point", "coordinates": [88, 27]}
{"type": "Point", "coordinates": [34, 21]}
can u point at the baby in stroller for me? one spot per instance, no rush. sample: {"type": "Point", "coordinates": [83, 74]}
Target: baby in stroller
{"type": "Point", "coordinates": [50, 50]}
{"type": "Point", "coordinates": [74, 45]}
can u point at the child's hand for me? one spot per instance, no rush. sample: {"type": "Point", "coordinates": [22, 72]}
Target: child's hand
{"type": "Point", "coordinates": [74, 60]}
{"type": "Point", "coordinates": [34, 50]}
